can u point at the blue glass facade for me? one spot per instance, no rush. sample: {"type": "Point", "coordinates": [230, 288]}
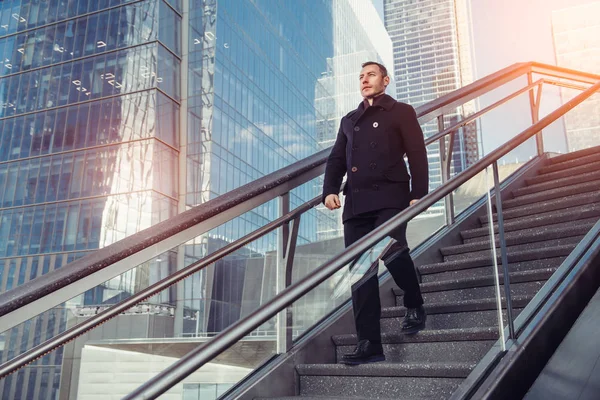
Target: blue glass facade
{"type": "Point", "coordinates": [432, 57]}
{"type": "Point", "coordinates": [252, 79]}
{"type": "Point", "coordinates": [89, 148]}
{"type": "Point", "coordinates": [116, 115]}
{"type": "Point", "coordinates": [254, 69]}
{"type": "Point", "coordinates": [263, 77]}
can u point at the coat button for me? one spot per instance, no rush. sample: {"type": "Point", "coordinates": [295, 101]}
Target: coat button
{"type": "Point", "coordinates": [357, 128]}
{"type": "Point", "coordinates": [355, 190]}
{"type": "Point", "coordinates": [373, 165]}
{"type": "Point", "coordinates": [375, 187]}
{"type": "Point", "coordinates": [373, 145]}
{"type": "Point", "coordinates": [354, 148]}
{"type": "Point", "coordinates": [354, 169]}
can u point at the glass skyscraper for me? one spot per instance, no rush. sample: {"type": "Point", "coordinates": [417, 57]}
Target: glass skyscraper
{"type": "Point", "coordinates": [432, 57]}
{"type": "Point", "coordinates": [337, 93]}
{"type": "Point", "coordinates": [87, 155]}
{"type": "Point", "coordinates": [576, 32]}
{"type": "Point", "coordinates": [118, 114]}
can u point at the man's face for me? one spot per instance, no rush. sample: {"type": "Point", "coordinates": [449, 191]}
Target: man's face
{"type": "Point", "coordinates": [372, 82]}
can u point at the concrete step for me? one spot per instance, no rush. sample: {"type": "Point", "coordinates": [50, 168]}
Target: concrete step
{"type": "Point", "coordinates": [573, 155]}
{"type": "Point", "coordinates": [575, 162]}
{"type": "Point", "coordinates": [544, 207]}
{"type": "Point", "coordinates": [523, 236]}
{"type": "Point", "coordinates": [486, 271]}
{"type": "Point", "coordinates": [449, 315]}
{"type": "Point", "coordinates": [455, 314]}
{"type": "Point", "coordinates": [588, 176]}
{"type": "Point", "coordinates": [476, 293]}
{"type": "Point", "coordinates": [545, 219]}
{"type": "Point", "coordinates": [552, 176]}
{"type": "Point", "coordinates": [545, 245]}
{"type": "Point", "coordinates": [456, 320]}
{"type": "Point", "coordinates": [330, 398]}
{"type": "Point", "coordinates": [448, 345]}
{"type": "Point", "coordinates": [427, 336]}
{"type": "Point", "coordinates": [382, 380]}
{"type": "Point", "coordinates": [480, 281]}
{"type": "Point", "coordinates": [486, 260]}
{"type": "Point", "coordinates": [540, 232]}
{"type": "Point", "coordinates": [450, 351]}
{"type": "Point", "coordinates": [456, 307]}
{"type": "Point", "coordinates": [555, 193]}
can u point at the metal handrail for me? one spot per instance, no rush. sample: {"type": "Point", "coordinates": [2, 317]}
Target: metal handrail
{"type": "Point", "coordinates": [71, 334]}
{"type": "Point", "coordinates": [449, 102]}
{"type": "Point", "coordinates": [18, 305]}
{"type": "Point", "coordinates": [116, 258]}
{"type": "Point", "coordinates": [481, 113]}
{"type": "Point", "coordinates": [203, 354]}
{"type": "Point", "coordinates": [305, 169]}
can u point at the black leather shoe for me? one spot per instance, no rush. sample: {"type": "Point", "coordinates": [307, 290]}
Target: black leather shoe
{"type": "Point", "coordinates": [365, 352]}
{"type": "Point", "coordinates": [414, 320]}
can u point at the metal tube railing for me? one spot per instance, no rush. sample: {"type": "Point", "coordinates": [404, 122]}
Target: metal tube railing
{"type": "Point", "coordinates": [58, 286]}
{"type": "Point", "coordinates": [564, 73]}
{"type": "Point", "coordinates": [567, 85]}
{"type": "Point", "coordinates": [446, 153]}
{"type": "Point", "coordinates": [315, 162]}
{"type": "Point", "coordinates": [123, 251]}
{"type": "Point", "coordinates": [482, 112]}
{"type": "Point", "coordinates": [203, 354]}
{"type": "Point", "coordinates": [98, 319]}
{"type": "Point", "coordinates": [503, 252]}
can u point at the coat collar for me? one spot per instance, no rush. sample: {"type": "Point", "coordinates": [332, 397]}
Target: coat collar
{"type": "Point", "coordinates": [386, 102]}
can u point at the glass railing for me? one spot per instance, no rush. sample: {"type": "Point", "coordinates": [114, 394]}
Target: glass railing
{"type": "Point", "coordinates": [552, 210]}
{"type": "Point", "coordinates": [194, 308]}
{"type": "Point", "coordinates": [146, 338]}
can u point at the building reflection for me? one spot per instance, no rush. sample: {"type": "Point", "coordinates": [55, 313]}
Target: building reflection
{"type": "Point", "coordinates": [107, 126]}
{"type": "Point", "coordinates": [84, 158]}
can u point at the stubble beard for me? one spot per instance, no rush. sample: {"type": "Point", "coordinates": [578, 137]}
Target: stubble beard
{"type": "Point", "coordinates": [372, 96]}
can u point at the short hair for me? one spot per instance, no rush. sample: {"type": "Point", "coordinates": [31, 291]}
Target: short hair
{"type": "Point", "coordinates": [381, 67]}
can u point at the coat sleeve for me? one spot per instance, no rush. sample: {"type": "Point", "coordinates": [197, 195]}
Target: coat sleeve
{"type": "Point", "coordinates": [336, 166]}
{"type": "Point", "coordinates": [414, 144]}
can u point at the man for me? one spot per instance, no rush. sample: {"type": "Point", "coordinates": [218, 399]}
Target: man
{"type": "Point", "coordinates": [370, 148]}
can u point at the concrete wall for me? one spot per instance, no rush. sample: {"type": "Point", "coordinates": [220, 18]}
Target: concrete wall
{"type": "Point", "coordinates": [110, 374]}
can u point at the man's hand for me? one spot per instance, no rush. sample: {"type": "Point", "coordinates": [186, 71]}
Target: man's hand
{"type": "Point", "coordinates": [332, 201]}
{"type": "Point", "coordinates": [413, 201]}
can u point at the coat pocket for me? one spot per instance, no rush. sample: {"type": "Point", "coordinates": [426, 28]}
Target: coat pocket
{"type": "Point", "coordinates": [397, 174]}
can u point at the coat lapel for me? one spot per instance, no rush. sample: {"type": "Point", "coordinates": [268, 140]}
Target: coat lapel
{"type": "Point", "coordinates": [387, 102]}
{"type": "Point", "coordinates": [360, 110]}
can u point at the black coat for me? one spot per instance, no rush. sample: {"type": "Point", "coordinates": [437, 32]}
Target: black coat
{"type": "Point", "coordinates": [370, 148]}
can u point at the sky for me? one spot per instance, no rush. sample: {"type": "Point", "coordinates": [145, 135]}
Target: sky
{"type": "Point", "coordinates": [379, 7]}
{"type": "Point", "coordinates": [505, 32]}
{"type": "Point", "coordinates": [510, 31]}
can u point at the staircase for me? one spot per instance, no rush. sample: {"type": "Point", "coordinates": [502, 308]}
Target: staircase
{"type": "Point", "coordinates": [544, 221]}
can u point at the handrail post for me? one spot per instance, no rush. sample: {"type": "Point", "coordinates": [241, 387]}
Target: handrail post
{"type": "Point", "coordinates": [534, 106]}
{"type": "Point", "coordinates": [289, 265]}
{"type": "Point", "coordinates": [282, 247]}
{"type": "Point", "coordinates": [284, 208]}
{"type": "Point", "coordinates": [450, 198]}
{"type": "Point", "coordinates": [504, 255]}
{"type": "Point", "coordinates": [445, 160]}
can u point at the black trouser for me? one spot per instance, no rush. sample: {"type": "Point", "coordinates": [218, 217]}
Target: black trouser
{"type": "Point", "coordinates": [365, 294]}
